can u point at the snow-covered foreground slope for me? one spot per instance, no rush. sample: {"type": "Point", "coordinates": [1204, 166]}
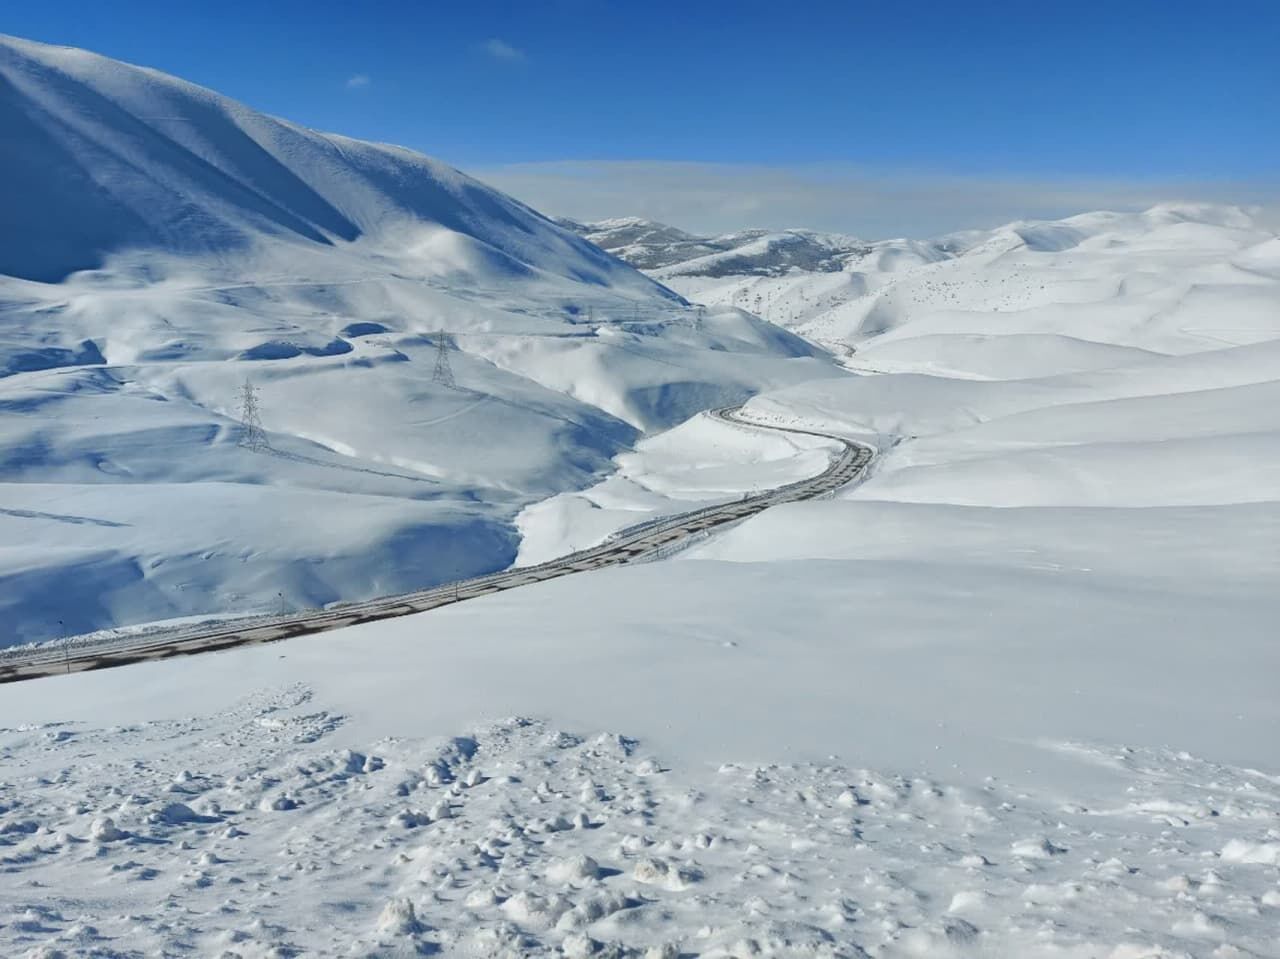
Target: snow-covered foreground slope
{"type": "Point", "coordinates": [160, 245]}
{"type": "Point", "coordinates": [917, 754]}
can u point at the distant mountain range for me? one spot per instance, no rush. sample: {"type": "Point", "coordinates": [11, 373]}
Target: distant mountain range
{"type": "Point", "coordinates": [845, 292]}
{"type": "Point", "coordinates": [652, 246]}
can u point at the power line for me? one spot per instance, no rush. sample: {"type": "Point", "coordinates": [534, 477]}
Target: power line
{"type": "Point", "coordinates": [443, 373]}
{"type": "Point", "coordinates": [252, 435]}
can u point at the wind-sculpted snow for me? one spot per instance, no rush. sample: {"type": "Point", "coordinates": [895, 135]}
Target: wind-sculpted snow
{"type": "Point", "coordinates": [161, 244]}
{"type": "Point", "coordinates": [522, 839]}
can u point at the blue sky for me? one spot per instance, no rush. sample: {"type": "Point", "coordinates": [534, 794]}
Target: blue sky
{"type": "Point", "coordinates": [1064, 98]}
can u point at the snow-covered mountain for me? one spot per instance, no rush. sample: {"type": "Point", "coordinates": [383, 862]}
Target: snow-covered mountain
{"type": "Point", "coordinates": [161, 244]}
{"type": "Point", "coordinates": [1108, 279]}
{"type": "Point", "coordinates": [1012, 694]}
{"type": "Point", "coordinates": [1091, 293]}
{"type": "Point", "coordinates": [644, 244]}
{"type": "Point", "coordinates": [652, 246]}
{"type": "Point", "coordinates": [103, 157]}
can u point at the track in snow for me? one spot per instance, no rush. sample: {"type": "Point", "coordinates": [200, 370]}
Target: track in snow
{"type": "Point", "coordinates": [645, 541]}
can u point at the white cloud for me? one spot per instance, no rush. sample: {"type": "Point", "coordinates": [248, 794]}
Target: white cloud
{"type": "Point", "coordinates": [716, 197]}
{"type": "Point", "coordinates": [358, 80]}
{"type": "Point", "coordinates": [501, 50]}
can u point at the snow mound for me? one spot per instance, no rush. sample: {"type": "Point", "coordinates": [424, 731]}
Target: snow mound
{"type": "Point", "coordinates": [757, 859]}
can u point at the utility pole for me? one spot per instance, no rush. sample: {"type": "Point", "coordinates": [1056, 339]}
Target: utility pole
{"type": "Point", "coordinates": [252, 435]}
{"type": "Point", "coordinates": [443, 373]}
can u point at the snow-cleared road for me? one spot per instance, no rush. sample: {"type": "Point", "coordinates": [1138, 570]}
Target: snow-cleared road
{"type": "Point", "coordinates": [635, 544]}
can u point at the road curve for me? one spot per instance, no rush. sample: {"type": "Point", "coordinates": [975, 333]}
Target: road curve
{"type": "Point", "coordinates": [637, 543]}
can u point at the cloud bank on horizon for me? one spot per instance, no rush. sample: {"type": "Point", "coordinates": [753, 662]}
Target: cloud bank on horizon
{"type": "Point", "coordinates": [721, 197]}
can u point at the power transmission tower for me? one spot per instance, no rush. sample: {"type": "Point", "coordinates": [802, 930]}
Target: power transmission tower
{"type": "Point", "coordinates": [443, 373]}
{"type": "Point", "coordinates": [252, 435]}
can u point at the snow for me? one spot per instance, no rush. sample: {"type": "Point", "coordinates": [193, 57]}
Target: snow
{"type": "Point", "coordinates": [907, 728]}
{"type": "Point", "coordinates": [1069, 295]}
{"type": "Point", "coordinates": [700, 462]}
{"type": "Point", "coordinates": [169, 244]}
{"type": "Point", "coordinates": [559, 839]}
{"type": "Point", "coordinates": [1012, 694]}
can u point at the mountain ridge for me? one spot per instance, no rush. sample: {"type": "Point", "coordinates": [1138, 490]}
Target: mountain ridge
{"type": "Point", "coordinates": [168, 251]}
{"type": "Point", "coordinates": [219, 176]}
{"type": "Point", "coordinates": [845, 293]}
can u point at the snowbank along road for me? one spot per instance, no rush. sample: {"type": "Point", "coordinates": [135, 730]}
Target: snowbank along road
{"type": "Point", "coordinates": [645, 541]}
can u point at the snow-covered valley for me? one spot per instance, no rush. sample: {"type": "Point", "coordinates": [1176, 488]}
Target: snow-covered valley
{"type": "Point", "coordinates": [1012, 694]}
{"type": "Point", "coordinates": [187, 245]}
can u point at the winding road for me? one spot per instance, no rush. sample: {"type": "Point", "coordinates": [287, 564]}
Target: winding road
{"type": "Point", "coordinates": [637, 543]}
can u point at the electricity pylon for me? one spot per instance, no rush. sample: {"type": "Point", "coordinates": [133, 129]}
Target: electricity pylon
{"type": "Point", "coordinates": [443, 373]}
{"type": "Point", "coordinates": [252, 435]}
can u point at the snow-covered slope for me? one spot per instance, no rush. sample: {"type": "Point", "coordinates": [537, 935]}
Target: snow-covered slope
{"type": "Point", "coordinates": [1074, 294]}
{"type": "Point", "coordinates": [102, 156]}
{"type": "Point", "coordinates": [656, 247]}
{"type": "Point", "coordinates": [161, 244]}
{"type": "Point", "coordinates": [1013, 695]}
{"type": "Point", "coordinates": [643, 243]}
{"type": "Point", "coordinates": [1155, 330]}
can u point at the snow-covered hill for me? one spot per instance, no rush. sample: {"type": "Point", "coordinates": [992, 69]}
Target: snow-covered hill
{"type": "Point", "coordinates": [642, 243]}
{"type": "Point", "coordinates": [1180, 293]}
{"type": "Point", "coordinates": [102, 157]}
{"type": "Point", "coordinates": [652, 246]}
{"type": "Point", "coordinates": [161, 244]}
{"type": "Point", "coordinates": [1012, 695]}
{"type": "Point", "coordinates": [1084, 291]}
